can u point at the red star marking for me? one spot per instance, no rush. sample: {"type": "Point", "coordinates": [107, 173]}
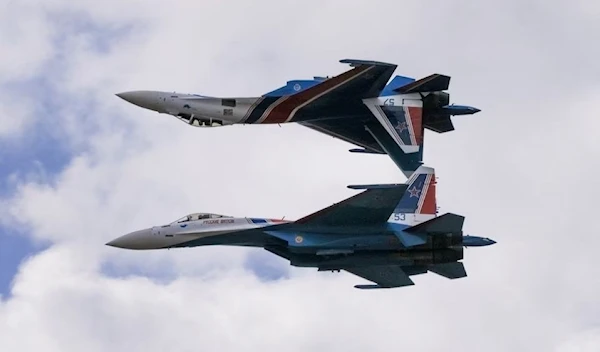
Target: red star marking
{"type": "Point", "coordinates": [414, 192]}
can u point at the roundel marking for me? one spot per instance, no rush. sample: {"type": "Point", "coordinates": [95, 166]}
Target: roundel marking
{"type": "Point", "coordinates": [298, 239]}
{"type": "Point", "coordinates": [297, 87]}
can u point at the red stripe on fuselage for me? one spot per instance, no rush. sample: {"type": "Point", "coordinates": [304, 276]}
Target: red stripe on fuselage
{"type": "Point", "coordinates": [416, 117]}
{"type": "Point", "coordinates": [281, 112]}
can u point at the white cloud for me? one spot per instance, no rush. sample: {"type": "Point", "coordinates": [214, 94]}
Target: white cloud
{"type": "Point", "coordinates": [516, 171]}
{"type": "Point", "coordinates": [586, 341]}
{"type": "Point", "coordinates": [26, 39]}
{"type": "Point", "coordinates": [61, 297]}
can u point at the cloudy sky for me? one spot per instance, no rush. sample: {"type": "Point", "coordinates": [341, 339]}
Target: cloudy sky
{"type": "Point", "coordinates": [79, 166]}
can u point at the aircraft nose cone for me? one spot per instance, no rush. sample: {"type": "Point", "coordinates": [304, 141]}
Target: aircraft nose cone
{"type": "Point", "coordinates": [136, 240]}
{"type": "Point", "coordinates": [134, 97]}
{"type": "Point", "coordinates": [142, 98]}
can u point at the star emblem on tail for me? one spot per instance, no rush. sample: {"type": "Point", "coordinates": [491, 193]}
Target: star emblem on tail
{"type": "Point", "coordinates": [414, 192]}
{"type": "Point", "coordinates": [401, 126]}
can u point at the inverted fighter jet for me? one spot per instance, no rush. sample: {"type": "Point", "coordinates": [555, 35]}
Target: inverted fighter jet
{"type": "Point", "coordinates": [356, 106]}
{"type": "Point", "coordinates": [385, 234]}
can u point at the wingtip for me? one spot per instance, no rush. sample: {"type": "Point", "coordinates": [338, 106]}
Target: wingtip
{"type": "Point", "coordinates": [358, 62]}
{"type": "Point", "coordinates": [372, 287]}
{"type": "Point", "coordinates": [366, 287]}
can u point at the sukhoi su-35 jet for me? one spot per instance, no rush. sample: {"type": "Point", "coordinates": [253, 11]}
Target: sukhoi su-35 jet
{"type": "Point", "coordinates": [357, 106]}
{"type": "Point", "coordinates": [385, 234]}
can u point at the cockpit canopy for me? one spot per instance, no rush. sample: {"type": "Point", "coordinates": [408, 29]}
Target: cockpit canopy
{"type": "Point", "coordinates": [199, 216]}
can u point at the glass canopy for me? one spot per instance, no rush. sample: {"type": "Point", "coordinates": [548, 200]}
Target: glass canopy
{"type": "Point", "coordinates": [199, 216]}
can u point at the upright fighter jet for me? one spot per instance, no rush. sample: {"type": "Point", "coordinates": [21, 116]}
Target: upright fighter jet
{"type": "Point", "coordinates": [385, 234]}
{"type": "Point", "coordinates": [357, 106]}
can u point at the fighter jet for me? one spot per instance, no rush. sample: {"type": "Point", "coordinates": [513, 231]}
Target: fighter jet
{"type": "Point", "coordinates": [384, 234]}
{"type": "Point", "coordinates": [356, 106]}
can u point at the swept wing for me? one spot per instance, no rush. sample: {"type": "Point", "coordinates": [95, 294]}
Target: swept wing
{"type": "Point", "coordinates": [371, 207]}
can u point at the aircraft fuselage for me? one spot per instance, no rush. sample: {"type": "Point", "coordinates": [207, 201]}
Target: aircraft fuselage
{"type": "Point", "coordinates": [255, 232]}
{"type": "Point", "coordinates": [201, 111]}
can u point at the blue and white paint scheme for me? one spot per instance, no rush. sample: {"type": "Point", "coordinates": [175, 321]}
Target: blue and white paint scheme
{"type": "Point", "coordinates": [358, 106]}
{"type": "Point", "coordinates": [384, 234]}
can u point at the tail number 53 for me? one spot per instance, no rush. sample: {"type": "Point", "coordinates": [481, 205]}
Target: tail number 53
{"type": "Point", "coordinates": [399, 216]}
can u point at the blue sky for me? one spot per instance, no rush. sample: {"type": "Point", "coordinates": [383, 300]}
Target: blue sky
{"type": "Point", "coordinates": [39, 151]}
{"type": "Point", "coordinates": [14, 249]}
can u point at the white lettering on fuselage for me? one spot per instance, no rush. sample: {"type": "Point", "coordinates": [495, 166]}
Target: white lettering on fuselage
{"type": "Point", "coordinates": [222, 221]}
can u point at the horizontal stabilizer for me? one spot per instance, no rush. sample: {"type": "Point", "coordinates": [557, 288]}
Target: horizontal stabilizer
{"type": "Point", "coordinates": [447, 223]}
{"type": "Point", "coordinates": [433, 83]}
{"type": "Point", "coordinates": [410, 240]}
{"type": "Point", "coordinates": [454, 270]}
{"type": "Point", "coordinates": [407, 239]}
{"type": "Point", "coordinates": [378, 186]}
{"type": "Point", "coordinates": [385, 276]}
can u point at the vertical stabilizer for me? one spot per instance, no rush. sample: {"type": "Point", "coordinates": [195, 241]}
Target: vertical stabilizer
{"type": "Point", "coordinates": [418, 204]}
{"type": "Point", "coordinates": [398, 129]}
